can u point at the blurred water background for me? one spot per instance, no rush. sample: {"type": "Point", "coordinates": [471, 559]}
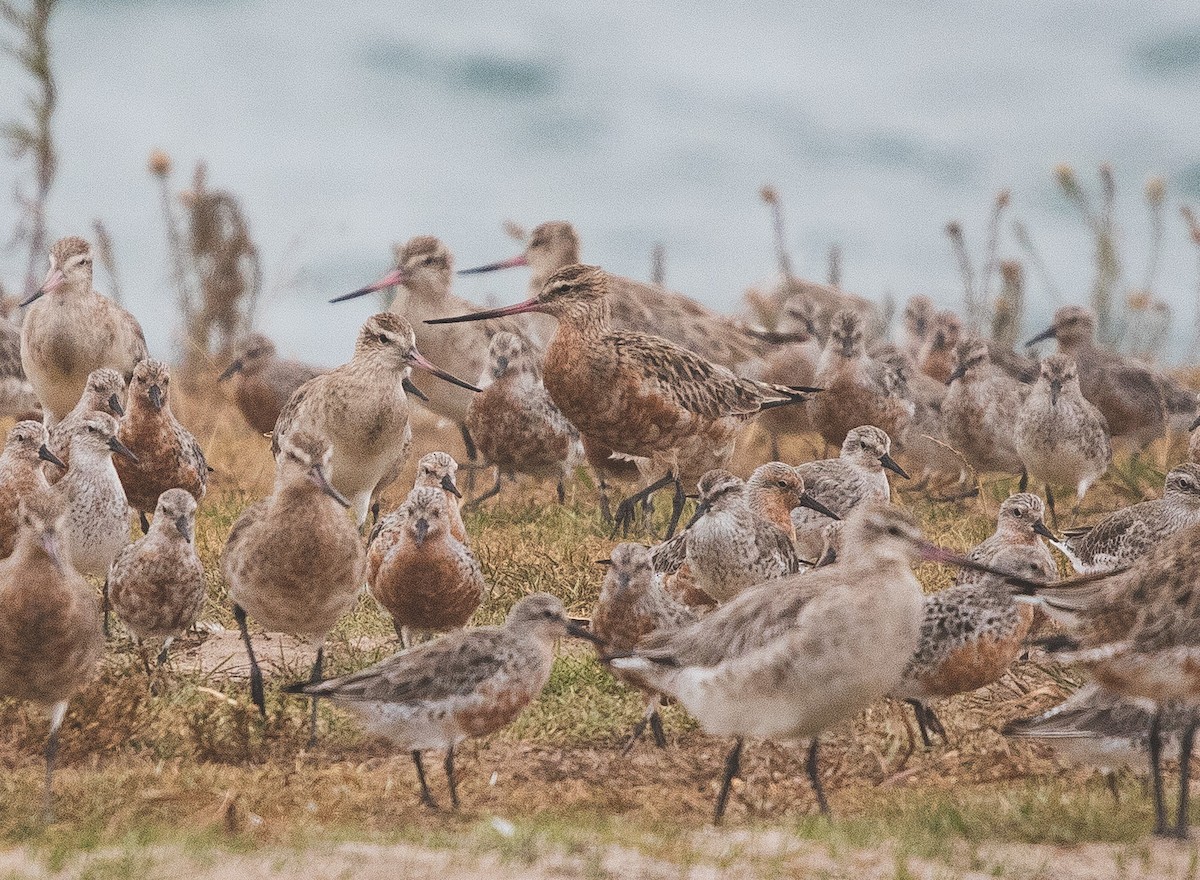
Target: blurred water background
{"type": "Point", "coordinates": [344, 127]}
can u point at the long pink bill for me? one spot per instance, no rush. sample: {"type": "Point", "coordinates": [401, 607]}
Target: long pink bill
{"type": "Point", "coordinates": [53, 281]}
{"type": "Point", "coordinates": [418, 360]}
{"type": "Point", "coordinates": [529, 305]}
{"type": "Point", "coordinates": [510, 263]}
{"type": "Point", "coordinates": [391, 279]}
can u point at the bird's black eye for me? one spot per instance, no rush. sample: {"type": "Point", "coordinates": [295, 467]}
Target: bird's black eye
{"type": "Point", "coordinates": [782, 484]}
{"type": "Point", "coordinates": [894, 532]}
{"type": "Point", "coordinates": [384, 338]}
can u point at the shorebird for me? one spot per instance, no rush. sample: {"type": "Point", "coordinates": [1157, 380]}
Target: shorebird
{"type": "Point", "coordinates": [788, 662]}
{"type": "Point", "coordinates": [263, 381]}
{"type": "Point", "coordinates": [971, 634]}
{"type": "Point", "coordinates": [1124, 535]}
{"type": "Point", "coordinates": [936, 357]}
{"type": "Point", "coordinates": [516, 426]}
{"type": "Point", "coordinates": [156, 584]}
{"type": "Point", "coordinates": [50, 639]}
{"type": "Point", "coordinates": [923, 439]}
{"type": "Point", "coordinates": [632, 605]}
{"type": "Point", "coordinates": [293, 561]}
{"type": "Point", "coordinates": [980, 409]}
{"type": "Point", "coordinates": [842, 483]}
{"type": "Point", "coordinates": [641, 396]}
{"type": "Point", "coordinates": [917, 321]}
{"type": "Point", "coordinates": [439, 470]}
{"type": "Point", "coordinates": [21, 475]}
{"type": "Point", "coordinates": [422, 281]}
{"type": "Point", "coordinates": [635, 306]}
{"type": "Point", "coordinates": [425, 579]}
{"type": "Point", "coordinates": [70, 330]}
{"type": "Point", "coordinates": [1019, 529]}
{"type": "Point", "coordinates": [1134, 399]}
{"type": "Point", "coordinates": [744, 535]}
{"type": "Point", "coordinates": [16, 393]}
{"type": "Point", "coordinates": [858, 390]}
{"type": "Point", "coordinates": [97, 524]}
{"type": "Point", "coordinates": [791, 362]}
{"type": "Point", "coordinates": [167, 455]}
{"type": "Point", "coordinates": [104, 392]}
{"type": "Point", "coordinates": [1061, 437]}
{"type": "Point", "coordinates": [361, 408]}
{"type": "Point", "coordinates": [466, 684]}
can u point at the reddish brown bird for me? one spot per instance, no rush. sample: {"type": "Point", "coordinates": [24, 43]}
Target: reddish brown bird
{"type": "Point", "coordinates": [640, 395]}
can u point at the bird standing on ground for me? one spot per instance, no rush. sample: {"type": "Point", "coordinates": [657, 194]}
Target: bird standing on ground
{"type": "Point", "coordinates": [1061, 437]}
{"type": "Point", "coordinates": [263, 381]}
{"type": "Point", "coordinates": [787, 663]}
{"type": "Point", "coordinates": [362, 409]}
{"type": "Point", "coordinates": [426, 579]}
{"type": "Point", "coordinates": [439, 470]}
{"type": "Point", "coordinates": [639, 395]}
{"type": "Point", "coordinates": [50, 639]}
{"type": "Point", "coordinates": [70, 330]}
{"type": "Point", "coordinates": [980, 409]}
{"type": "Point", "coordinates": [97, 525]}
{"type": "Point", "coordinates": [104, 392]}
{"type": "Point", "coordinates": [516, 425]}
{"type": "Point", "coordinates": [466, 684]}
{"type": "Point", "coordinates": [1019, 529]}
{"type": "Point", "coordinates": [632, 605]}
{"type": "Point", "coordinates": [156, 584]}
{"type": "Point", "coordinates": [21, 475]}
{"type": "Point", "coordinates": [168, 456]}
{"type": "Point", "coordinates": [293, 561]}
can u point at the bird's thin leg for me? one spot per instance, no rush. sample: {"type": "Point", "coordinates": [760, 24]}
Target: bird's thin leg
{"type": "Point", "coordinates": [1155, 745]}
{"type": "Point", "coordinates": [634, 735]}
{"type": "Point", "coordinates": [562, 492]}
{"type": "Point", "coordinates": [733, 763]}
{"type": "Point", "coordinates": [317, 668]}
{"type": "Point", "coordinates": [814, 776]}
{"type": "Point", "coordinates": [472, 456]}
{"type": "Point", "coordinates": [57, 713]}
{"type": "Point", "coordinates": [649, 717]}
{"type": "Point", "coordinates": [605, 509]}
{"type": "Point", "coordinates": [426, 797]}
{"type": "Point", "coordinates": [625, 510]}
{"type": "Point", "coordinates": [919, 712]}
{"type": "Point", "coordinates": [490, 493]}
{"type": "Point", "coordinates": [161, 660]}
{"type": "Point", "coordinates": [676, 509]}
{"type": "Point", "coordinates": [1182, 826]}
{"type": "Point", "coordinates": [143, 522]}
{"type": "Point", "coordinates": [256, 678]}
{"type": "Point", "coordinates": [656, 727]}
{"type": "Point", "coordinates": [1050, 507]}
{"type": "Point", "coordinates": [1024, 484]}
{"type": "Point", "coordinates": [935, 724]}
{"type": "Point", "coordinates": [448, 764]}
{"type": "Point", "coordinates": [1110, 780]}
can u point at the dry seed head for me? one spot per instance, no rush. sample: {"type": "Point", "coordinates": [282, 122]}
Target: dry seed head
{"type": "Point", "coordinates": [159, 163]}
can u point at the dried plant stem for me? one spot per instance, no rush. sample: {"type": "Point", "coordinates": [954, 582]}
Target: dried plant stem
{"type": "Point", "coordinates": [1025, 241]}
{"type": "Point", "coordinates": [958, 244]}
{"type": "Point", "coordinates": [771, 196]}
{"type": "Point", "coordinates": [1193, 225]}
{"type": "Point", "coordinates": [834, 274]}
{"type": "Point", "coordinates": [108, 258]}
{"type": "Point", "coordinates": [658, 265]}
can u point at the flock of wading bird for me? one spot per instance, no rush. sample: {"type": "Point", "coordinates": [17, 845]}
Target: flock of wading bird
{"type": "Point", "coordinates": [786, 605]}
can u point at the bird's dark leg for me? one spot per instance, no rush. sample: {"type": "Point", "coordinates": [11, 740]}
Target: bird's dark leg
{"type": "Point", "coordinates": [448, 764]}
{"type": "Point", "coordinates": [1182, 827]}
{"type": "Point", "coordinates": [374, 514]}
{"type": "Point", "coordinates": [107, 610]}
{"type": "Point", "coordinates": [256, 678]}
{"type": "Point", "coordinates": [472, 456]}
{"type": "Point", "coordinates": [814, 777]}
{"type": "Point", "coordinates": [1110, 780]}
{"type": "Point", "coordinates": [1050, 507]}
{"type": "Point", "coordinates": [606, 516]}
{"type": "Point", "coordinates": [625, 510]}
{"type": "Point", "coordinates": [656, 727]}
{"type": "Point", "coordinates": [143, 522]}
{"type": "Point", "coordinates": [490, 493]}
{"type": "Point", "coordinates": [562, 492]}
{"type": "Point", "coordinates": [676, 509]}
{"type": "Point", "coordinates": [1155, 744]}
{"type": "Point", "coordinates": [1024, 484]}
{"type": "Point", "coordinates": [919, 712]}
{"type": "Point", "coordinates": [426, 797]}
{"type": "Point", "coordinates": [733, 763]}
{"type": "Point", "coordinates": [935, 724]}
{"type": "Point", "coordinates": [161, 660]}
{"type": "Point", "coordinates": [315, 678]}
{"type": "Point", "coordinates": [57, 713]}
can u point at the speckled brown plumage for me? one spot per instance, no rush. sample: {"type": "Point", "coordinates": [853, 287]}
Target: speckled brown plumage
{"type": "Point", "coordinates": [168, 456]}
{"type": "Point", "coordinates": [1020, 528]}
{"type": "Point", "coordinates": [104, 392]}
{"type": "Point", "coordinates": [156, 585]}
{"type": "Point", "coordinates": [422, 576]}
{"type": "Point", "coordinates": [71, 330]}
{"type": "Point", "coordinates": [21, 475]}
{"type": "Point", "coordinates": [262, 381]}
{"type": "Point", "coordinates": [440, 470]}
{"type": "Point", "coordinates": [980, 409]}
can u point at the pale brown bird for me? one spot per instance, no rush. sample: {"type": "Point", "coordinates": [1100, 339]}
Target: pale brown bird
{"type": "Point", "coordinates": [21, 475]}
{"type": "Point", "coordinates": [104, 392]}
{"type": "Point", "coordinates": [641, 396]}
{"type": "Point", "coordinates": [440, 470]}
{"type": "Point", "coordinates": [263, 381]}
{"type": "Point", "coordinates": [466, 684]}
{"type": "Point", "coordinates": [293, 561]}
{"type": "Point", "coordinates": [425, 579]}
{"type": "Point", "coordinates": [50, 638]}
{"type": "Point", "coordinates": [516, 425]}
{"type": "Point", "coordinates": [168, 456]}
{"type": "Point", "coordinates": [70, 330]}
{"type": "Point", "coordinates": [156, 584]}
